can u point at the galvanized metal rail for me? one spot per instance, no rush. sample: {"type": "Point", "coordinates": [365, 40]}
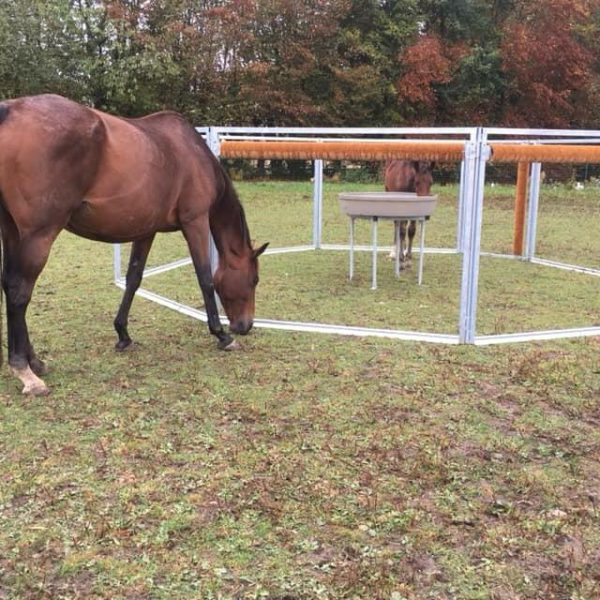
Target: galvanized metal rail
{"type": "Point", "coordinates": [476, 144]}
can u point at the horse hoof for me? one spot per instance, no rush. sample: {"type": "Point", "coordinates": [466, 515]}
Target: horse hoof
{"type": "Point", "coordinates": [229, 345]}
{"type": "Point", "coordinates": [123, 345]}
{"type": "Point", "coordinates": [36, 389]}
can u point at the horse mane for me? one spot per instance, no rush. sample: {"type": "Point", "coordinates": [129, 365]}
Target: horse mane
{"type": "Point", "coordinates": [228, 209]}
{"type": "Point", "coordinates": [3, 112]}
{"type": "Point", "coordinates": [231, 196]}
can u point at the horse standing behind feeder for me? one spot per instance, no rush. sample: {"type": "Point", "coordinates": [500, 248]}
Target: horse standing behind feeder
{"type": "Point", "coordinates": [414, 176]}
{"type": "Point", "coordinates": [109, 179]}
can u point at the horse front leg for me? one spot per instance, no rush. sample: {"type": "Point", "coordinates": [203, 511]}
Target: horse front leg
{"type": "Point", "coordinates": [23, 262]}
{"type": "Point", "coordinates": [412, 228]}
{"type": "Point", "coordinates": [135, 270]}
{"type": "Point", "coordinates": [393, 251]}
{"type": "Point", "coordinates": [403, 244]}
{"type": "Point", "coordinates": [197, 235]}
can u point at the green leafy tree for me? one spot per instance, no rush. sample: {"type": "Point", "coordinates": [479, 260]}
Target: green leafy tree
{"type": "Point", "coordinates": [312, 62]}
{"type": "Point", "coordinates": [41, 49]}
{"type": "Point", "coordinates": [371, 36]}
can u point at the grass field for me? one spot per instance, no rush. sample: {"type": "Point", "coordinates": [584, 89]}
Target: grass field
{"type": "Point", "coordinates": [304, 466]}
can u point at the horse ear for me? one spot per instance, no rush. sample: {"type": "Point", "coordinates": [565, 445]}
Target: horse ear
{"type": "Point", "coordinates": [260, 250]}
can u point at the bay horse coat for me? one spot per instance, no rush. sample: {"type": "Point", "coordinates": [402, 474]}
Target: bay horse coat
{"type": "Point", "coordinates": [408, 176]}
{"type": "Point", "coordinates": [110, 179]}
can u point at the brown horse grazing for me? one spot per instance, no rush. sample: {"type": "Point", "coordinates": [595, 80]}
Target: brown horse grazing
{"type": "Point", "coordinates": [65, 166]}
{"type": "Point", "coordinates": [408, 176]}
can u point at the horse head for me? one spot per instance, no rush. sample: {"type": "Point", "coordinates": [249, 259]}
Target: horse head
{"type": "Point", "coordinates": [423, 177]}
{"type": "Point", "coordinates": [235, 282]}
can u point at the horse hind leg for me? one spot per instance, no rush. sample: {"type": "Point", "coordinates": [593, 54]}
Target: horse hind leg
{"type": "Point", "coordinates": [137, 262]}
{"type": "Point", "coordinates": [23, 262]}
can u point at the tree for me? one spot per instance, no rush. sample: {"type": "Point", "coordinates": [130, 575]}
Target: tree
{"type": "Point", "coordinates": [370, 36]}
{"type": "Point", "coordinates": [40, 49]}
{"type": "Point", "coordinates": [312, 62]}
{"type": "Point", "coordinates": [452, 72]}
{"type": "Point", "coordinates": [475, 94]}
{"type": "Point", "coordinates": [290, 62]}
{"type": "Point", "coordinates": [548, 63]}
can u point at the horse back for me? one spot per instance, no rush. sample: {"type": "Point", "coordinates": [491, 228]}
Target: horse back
{"type": "Point", "coordinates": [101, 176]}
{"type": "Point", "coordinates": [156, 167]}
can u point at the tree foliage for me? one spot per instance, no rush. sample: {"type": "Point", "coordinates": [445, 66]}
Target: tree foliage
{"type": "Point", "coordinates": [547, 62]}
{"type": "Point", "coordinates": [312, 62]}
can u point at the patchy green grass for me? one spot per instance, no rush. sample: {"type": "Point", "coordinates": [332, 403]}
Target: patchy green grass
{"type": "Point", "coordinates": [313, 286]}
{"type": "Point", "coordinates": [304, 466]}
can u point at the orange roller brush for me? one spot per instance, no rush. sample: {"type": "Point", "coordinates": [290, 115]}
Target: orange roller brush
{"type": "Point", "coordinates": [343, 150]}
{"type": "Point", "coordinates": [510, 153]}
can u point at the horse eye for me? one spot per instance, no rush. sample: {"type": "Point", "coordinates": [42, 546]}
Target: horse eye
{"type": "Point", "coordinates": [255, 281]}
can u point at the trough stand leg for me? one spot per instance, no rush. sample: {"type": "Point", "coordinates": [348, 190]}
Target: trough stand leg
{"type": "Point", "coordinates": [351, 273]}
{"type": "Point", "coordinates": [421, 250]}
{"type": "Point", "coordinates": [374, 261]}
{"type": "Point", "coordinates": [397, 251]}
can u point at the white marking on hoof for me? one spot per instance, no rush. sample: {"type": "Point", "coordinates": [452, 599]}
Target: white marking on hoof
{"type": "Point", "coordinates": [235, 345]}
{"type": "Point", "coordinates": [32, 384]}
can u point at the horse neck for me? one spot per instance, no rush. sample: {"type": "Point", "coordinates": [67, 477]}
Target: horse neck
{"type": "Point", "coordinates": [228, 227]}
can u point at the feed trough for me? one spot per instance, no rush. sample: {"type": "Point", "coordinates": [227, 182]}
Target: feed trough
{"type": "Point", "coordinates": [398, 206]}
{"type": "Point", "coordinates": [387, 205]}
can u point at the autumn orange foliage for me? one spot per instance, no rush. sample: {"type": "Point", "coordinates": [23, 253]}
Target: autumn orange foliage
{"type": "Point", "coordinates": [425, 64]}
{"type": "Point", "coordinates": [548, 65]}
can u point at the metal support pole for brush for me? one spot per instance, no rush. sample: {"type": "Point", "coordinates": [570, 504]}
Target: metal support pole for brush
{"type": "Point", "coordinates": [535, 178]}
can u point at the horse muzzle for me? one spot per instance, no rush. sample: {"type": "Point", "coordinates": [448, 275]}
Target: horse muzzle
{"type": "Point", "coordinates": [241, 326]}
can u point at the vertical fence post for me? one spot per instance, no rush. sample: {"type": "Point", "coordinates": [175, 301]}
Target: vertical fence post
{"type": "Point", "coordinates": [117, 263]}
{"type": "Point", "coordinates": [477, 153]}
{"type": "Point", "coordinates": [460, 225]}
{"type": "Point", "coordinates": [214, 143]}
{"type": "Point", "coordinates": [535, 178]}
{"type": "Point", "coordinates": [317, 203]}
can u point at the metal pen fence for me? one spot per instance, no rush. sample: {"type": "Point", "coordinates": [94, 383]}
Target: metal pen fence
{"type": "Point", "coordinates": [474, 148]}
